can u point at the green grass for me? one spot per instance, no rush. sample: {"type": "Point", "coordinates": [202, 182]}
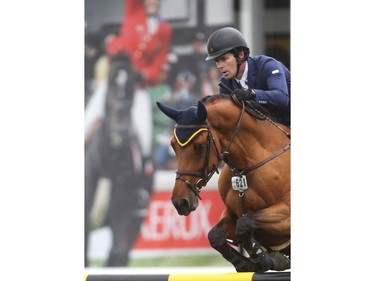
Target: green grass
{"type": "Point", "coordinates": [197, 260]}
{"type": "Point", "coordinates": [171, 261]}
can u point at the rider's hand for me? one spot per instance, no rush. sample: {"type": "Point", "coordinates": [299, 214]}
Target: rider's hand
{"type": "Point", "coordinates": [244, 95]}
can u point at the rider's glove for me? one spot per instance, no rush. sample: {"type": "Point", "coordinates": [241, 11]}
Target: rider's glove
{"type": "Point", "coordinates": [244, 95]}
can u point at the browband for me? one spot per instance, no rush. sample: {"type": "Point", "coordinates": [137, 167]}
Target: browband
{"type": "Point", "coordinates": [200, 128]}
{"type": "Point", "coordinates": [191, 137]}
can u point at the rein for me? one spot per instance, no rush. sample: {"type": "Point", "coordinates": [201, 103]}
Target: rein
{"type": "Point", "coordinates": [205, 175]}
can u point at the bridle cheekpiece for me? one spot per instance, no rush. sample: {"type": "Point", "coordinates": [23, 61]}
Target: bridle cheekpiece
{"type": "Point", "coordinates": [204, 175]}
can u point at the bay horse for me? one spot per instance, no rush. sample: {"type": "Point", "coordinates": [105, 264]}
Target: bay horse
{"type": "Point", "coordinates": [115, 154]}
{"type": "Point", "coordinates": [254, 182]}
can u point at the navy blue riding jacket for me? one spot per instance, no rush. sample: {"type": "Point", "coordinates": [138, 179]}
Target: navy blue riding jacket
{"type": "Point", "coordinates": [271, 81]}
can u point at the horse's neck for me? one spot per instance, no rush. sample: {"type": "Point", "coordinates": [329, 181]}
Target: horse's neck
{"type": "Point", "coordinates": [249, 144]}
{"type": "Point", "coordinates": [244, 149]}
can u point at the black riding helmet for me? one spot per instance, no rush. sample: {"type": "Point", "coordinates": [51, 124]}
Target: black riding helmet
{"type": "Point", "coordinates": [225, 40]}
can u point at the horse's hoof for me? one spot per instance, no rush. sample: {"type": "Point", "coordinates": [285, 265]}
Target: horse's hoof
{"type": "Point", "coordinates": [280, 261]}
{"type": "Point", "coordinates": [243, 264]}
{"type": "Point", "coordinates": [265, 262]}
{"type": "Point", "coordinates": [249, 266]}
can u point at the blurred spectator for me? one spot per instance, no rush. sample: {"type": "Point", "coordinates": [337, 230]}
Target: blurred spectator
{"type": "Point", "coordinates": [101, 70]}
{"type": "Point", "coordinates": [210, 83]}
{"type": "Point", "coordinates": [184, 95]}
{"type": "Point", "coordinates": [195, 62]}
{"type": "Point", "coordinates": [145, 36]}
{"type": "Point", "coordinates": [91, 55]}
{"type": "Point", "coordinates": [162, 127]}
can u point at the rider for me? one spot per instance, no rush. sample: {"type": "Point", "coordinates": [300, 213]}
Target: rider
{"type": "Point", "coordinates": [260, 78]}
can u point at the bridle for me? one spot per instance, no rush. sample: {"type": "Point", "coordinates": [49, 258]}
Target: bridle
{"type": "Point", "coordinates": [205, 174]}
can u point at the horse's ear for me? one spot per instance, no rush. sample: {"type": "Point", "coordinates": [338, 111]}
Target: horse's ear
{"type": "Point", "coordinates": [169, 111]}
{"type": "Point", "coordinates": [201, 113]}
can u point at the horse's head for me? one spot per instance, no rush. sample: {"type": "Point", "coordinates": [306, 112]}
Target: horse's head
{"type": "Point", "coordinates": [119, 98]}
{"type": "Point", "coordinates": [196, 154]}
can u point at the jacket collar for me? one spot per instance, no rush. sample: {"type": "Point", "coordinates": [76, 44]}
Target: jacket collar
{"type": "Point", "coordinates": [251, 73]}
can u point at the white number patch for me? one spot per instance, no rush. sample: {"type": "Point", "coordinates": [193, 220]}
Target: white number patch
{"type": "Point", "coordinates": [239, 183]}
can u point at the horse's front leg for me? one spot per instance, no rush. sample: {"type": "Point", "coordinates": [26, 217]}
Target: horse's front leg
{"type": "Point", "coordinates": [218, 239]}
{"type": "Point", "coordinates": [274, 220]}
{"type": "Point", "coordinates": [271, 224]}
{"type": "Point", "coordinates": [256, 253]}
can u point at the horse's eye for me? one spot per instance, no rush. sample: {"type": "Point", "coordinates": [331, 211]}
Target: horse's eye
{"type": "Point", "coordinates": [199, 148]}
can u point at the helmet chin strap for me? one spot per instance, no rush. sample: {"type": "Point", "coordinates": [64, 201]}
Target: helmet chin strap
{"type": "Point", "coordinates": [238, 67]}
{"type": "Point", "coordinates": [239, 62]}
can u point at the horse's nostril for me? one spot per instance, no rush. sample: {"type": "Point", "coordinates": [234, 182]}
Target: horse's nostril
{"type": "Point", "coordinates": [184, 205]}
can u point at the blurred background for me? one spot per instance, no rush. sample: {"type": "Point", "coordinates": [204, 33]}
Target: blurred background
{"type": "Point", "coordinates": [129, 219]}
